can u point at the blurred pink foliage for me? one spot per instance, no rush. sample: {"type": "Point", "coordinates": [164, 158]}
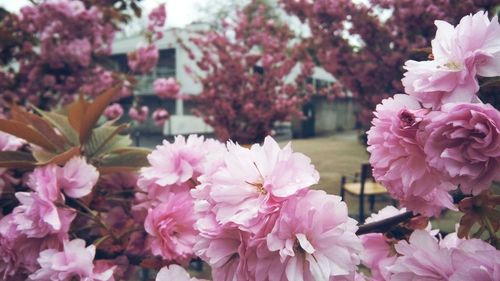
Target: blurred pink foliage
{"type": "Point", "coordinates": [245, 91]}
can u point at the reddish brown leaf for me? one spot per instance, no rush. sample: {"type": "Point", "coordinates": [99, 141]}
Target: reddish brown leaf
{"type": "Point", "coordinates": [76, 113]}
{"type": "Point", "coordinates": [93, 112]}
{"type": "Point", "coordinates": [25, 132]}
{"type": "Point", "coordinates": [62, 158]}
{"type": "Point", "coordinates": [16, 159]}
{"type": "Point", "coordinates": [39, 124]}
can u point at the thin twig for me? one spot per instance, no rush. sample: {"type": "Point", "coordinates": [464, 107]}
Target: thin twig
{"type": "Point", "coordinates": [385, 224]}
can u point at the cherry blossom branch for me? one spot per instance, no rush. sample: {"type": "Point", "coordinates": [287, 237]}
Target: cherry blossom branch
{"type": "Point", "coordinates": [385, 224]}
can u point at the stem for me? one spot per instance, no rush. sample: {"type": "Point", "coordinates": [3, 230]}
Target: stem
{"type": "Point", "coordinates": [385, 224]}
{"type": "Point", "coordinates": [490, 229]}
{"type": "Point", "coordinates": [90, 214]}
{"type": "Point", "coordinates": [100, 240]}
{"type": "Point", "coordinates": [129, 231]}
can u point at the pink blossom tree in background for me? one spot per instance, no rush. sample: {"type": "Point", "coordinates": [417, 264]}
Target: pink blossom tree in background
{"type": "Point", "coordinates": [365, 45]}
{"type": "Point", "coordinates": [79, 203]}
{"type": "Point", "coordinates": [54, 50]}
{"type": "Point", "coordinates": [246, 65]}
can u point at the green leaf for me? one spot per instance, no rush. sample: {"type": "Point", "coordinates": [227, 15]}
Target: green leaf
{"type": "Point", "coordinates": [127, 159]}
{"type": "Point", "coordinates": [16, 159]}
{"type": "Point", "coordinates": [62, 124]}
{"type": "Point", "coordinates": [102, 137]}
{"type": "Point", "coordinates": [44, 158]}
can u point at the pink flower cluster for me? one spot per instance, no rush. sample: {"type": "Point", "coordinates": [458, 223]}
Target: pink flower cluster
{"type": "Point", "coordinates": [59, 56]}
{"type": "Point", "coordinates": [73, 261]}
{"type": "Point", "coordinates": [170, 215]}
{"type": "Point", "coordinates": [160, 116]}
{"type": "Point", "coordinates": [42, 221]}
{"type": "Point", "coordinates": [254, 216]}
{"type": "Point", "coordinates": [61, 46]}
{"type": "Point", "coordinates": [144, 59]}
{"type": "Point", "coordinates": [139, 114]}
{"type": "Point", "coordinates": [156, 21]}
{"type": "Point", "coordinates": [113, 111]}
{"type": "Point", "coordinates": [424, 257]}
{"type": "Point", "coordinates": [378, 254]}
{"type": "Point", "coordinates": [424, 144]}
{"type": "Point", "coordinates": [166, 88]}
{"type": "Point", "coordinates": [459, 54]}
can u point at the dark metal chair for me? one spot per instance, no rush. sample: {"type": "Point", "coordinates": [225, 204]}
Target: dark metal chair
{"type": "Point", "coordinates": [366, 186]}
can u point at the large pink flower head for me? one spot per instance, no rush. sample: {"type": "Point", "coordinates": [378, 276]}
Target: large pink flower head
{"type": "Point", "coordinates": [144, 59]}
{"type": "Point", "coordinates": [225, 252]}
{"type": "Point", "coordinates": [461, 52]}
{"type": "Point", "coordinates": [74, 261]}
{"type": "Point", "coordinates": [18, 253]}
{"type": "Point", "coordinates": [171, 226]}
{"type": "Point", "coordinates": [463, 142]}
{"type": "Point", "coordinates": [312, 239]}
{"type": "Point", "coordinates": [37, 217]}
{"type": "Point", "coordinates": [253, 181]}
{"type": "Point", "coordinates": [43, 180]}
{"type": "Point", "coordinates": [423, 257]}
{"type": "Point", "coordinates": [398, 158]}
{"type": "Point", "coordinates": [378, 254]}
{"type": "Point", "coordinates": [175, 163]}
{"type": "Point", "coordinates": [77, 177]}
{"type": "Point", "coordinates": [166, 88]}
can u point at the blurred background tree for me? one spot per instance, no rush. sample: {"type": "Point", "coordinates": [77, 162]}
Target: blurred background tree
{"type": "Point", "coordinates": [364, 44]}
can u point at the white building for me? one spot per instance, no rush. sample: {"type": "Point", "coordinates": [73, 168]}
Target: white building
{"type": "Point", "coordinates": [175, 62]}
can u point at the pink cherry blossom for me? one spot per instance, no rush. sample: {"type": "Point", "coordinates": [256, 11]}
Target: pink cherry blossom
{"type": "Point", "coordinates": [144, 59]}
{"type": "Point", "coordinates": [74, 261]}
{"type": "Point", "coordinates": [113, 111]}
{"type": "Point", "coordinates": [139, 114]}
{"type": "Point", "coordinates": [157, 17]}
{"type": "Point", "coordinates": [175, 163]}
{"type": "Point", "coordinates": [18, 253]}
{"type": "Point", "coordinates": [463, 142]}
{"type": "Point", "coordinates": [160, 116]}
{"type": "Point", "coordinates": [166, 88]}
{"type": "Point", "coordinates": [312, 239]}
{"type": "Point", "coordinates": [423, 257]}
{"type": "Point", "coordinates": [175, 272]}
{"type": "Point", "coordinates": [398, 159]}
{"type": "Point", "coordinates": [225, 252]}
{"type": "Point", "coordinates": [253, 181]}
{"type": "Point", "coordinates": [77, 177]}
{"type": "Point", "coordinates": [377, 253]}
{"type": "Point", "coordinates": [44, 181]}
{"type": "Point", "coordinates": [37, 217]}
{"type": "Point", "coordinates": [461, 52]}
{"type": "Point", "coordinates": [481, 258]}
{"type": "Point", "coordinates": [170, 225]}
